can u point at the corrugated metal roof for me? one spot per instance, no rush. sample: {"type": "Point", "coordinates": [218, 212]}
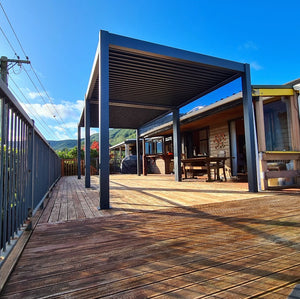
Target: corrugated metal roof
{"type": "Point", "coordinates": [166, 123]}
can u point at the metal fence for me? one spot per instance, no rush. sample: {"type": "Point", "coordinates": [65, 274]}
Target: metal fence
{"type": "Point", "coordinates": [28, 168]}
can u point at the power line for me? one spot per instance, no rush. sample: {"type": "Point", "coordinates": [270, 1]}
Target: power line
{"type": "Point", "coordinates": [11, 46]}
{"type": "Point", "coordinates": [54, 116]}
{"type": "Point", "coordinates": [63, 123]}
{"type": "Point", "coordinates": [47, 94]}
{"type": "Point", "coordinates": [13, 30]}
{"type": "Point", "coordinates": [35, 114]}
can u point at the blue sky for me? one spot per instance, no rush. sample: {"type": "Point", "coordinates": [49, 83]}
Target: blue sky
{"type": "Point", "coordinates": [60, 38]}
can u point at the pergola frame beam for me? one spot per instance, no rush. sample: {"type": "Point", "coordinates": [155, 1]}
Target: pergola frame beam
{"type": "Point", "coordinates": [139, 105]}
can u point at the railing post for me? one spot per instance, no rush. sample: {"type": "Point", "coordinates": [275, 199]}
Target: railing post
{"type": "Point", "coordinates": [79, 153]}
{"type": "Point", "coordinates": [31, 172]}
{"type": "Point", "coordinates": [10, 190]}
{"type": "Point", "coordinates": [5, 176]}
{"type": "Point", "coordinates": [2, 170]}
{"type": "Point", "coordinates": [49, 167]}
{"type": "Point", "coordinates": [14, 220]}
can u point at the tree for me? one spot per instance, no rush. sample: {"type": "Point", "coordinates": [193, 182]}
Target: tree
{"type": "Point", "coordinates": [95, 145]}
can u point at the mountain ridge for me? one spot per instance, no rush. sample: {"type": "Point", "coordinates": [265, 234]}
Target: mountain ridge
{"type": "Point", "coordinates": [115, 136]}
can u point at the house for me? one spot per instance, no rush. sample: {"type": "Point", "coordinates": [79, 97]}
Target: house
{"type": "Point", "coordinates": [119, 151]}
{"type": "Point", "coordinates": [220, 127]}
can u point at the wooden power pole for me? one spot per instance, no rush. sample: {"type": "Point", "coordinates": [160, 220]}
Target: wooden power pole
{"type": "Point", "coordinates": [4, 61]}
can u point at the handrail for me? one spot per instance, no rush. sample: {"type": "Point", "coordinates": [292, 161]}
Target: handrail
{"type": "Point", "coordinates": [28, 169]}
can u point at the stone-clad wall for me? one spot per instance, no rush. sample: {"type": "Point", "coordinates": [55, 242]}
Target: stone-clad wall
{"type": "Point", "coordinates": [219, 141]}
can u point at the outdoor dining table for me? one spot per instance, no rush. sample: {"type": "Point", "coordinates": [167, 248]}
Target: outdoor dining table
{"type": "Point", "coordinates": [206, 162]}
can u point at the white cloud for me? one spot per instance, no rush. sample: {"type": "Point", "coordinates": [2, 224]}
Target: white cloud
{"type": "Point", "coordinates": [44, 111]}
{"type": "Point", "coordinates": [256, 66]}
{"type": "Point", "coordinates": [62, 119]}
{"type": "Point", "coordinates": [79, 105]}
{"type": "Point", "coordinates": [63, 132]}
{"type": "Point", "coordinates": [249, 45]}
{"type": "Point", "coordinates": [65, 110]}
{"type": "Point", "coordinates": [71, 125]}
{"type": "Point", "coordinates": [92, 131]}
{"type": "Point", "coordinates": [35, 95]}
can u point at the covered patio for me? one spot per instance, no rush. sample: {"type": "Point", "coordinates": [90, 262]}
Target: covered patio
{"type": "Point", "coordinates": [134, 82]}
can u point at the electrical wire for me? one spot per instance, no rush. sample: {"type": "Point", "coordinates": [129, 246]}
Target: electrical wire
{"type": "Point", "coordinates": [13, 30]}
{"type": "Point", "coordinates": [44, 89]}
{"type": "Point", "coordinates": [35, 114]}
{"type": "Point", "coordinates": [45, 92]}
{"type": "Point", "coordinates": [11, 46]}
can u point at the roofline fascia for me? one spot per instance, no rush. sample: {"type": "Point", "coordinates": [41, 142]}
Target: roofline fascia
{"type": "Point", "coordinates": [211, 90]}
{"type": "Point", "coordinates": [127, 141]}
{"type": "Point", "coordinates": [166, 51]}
{"type": "Point", "coordinates": [94, 73]}
{"type": "Point", "coordinates": [194, 114]}
{"type": "Point", "coordinates": [269, 86]}
{"type": "Point", "coordinates": [92, 79]}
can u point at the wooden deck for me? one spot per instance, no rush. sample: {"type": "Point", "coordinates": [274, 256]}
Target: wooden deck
{"type": "Point", "coordinates": [161, 239]}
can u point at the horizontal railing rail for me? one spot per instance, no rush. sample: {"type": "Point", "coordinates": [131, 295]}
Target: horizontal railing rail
{"type": "Point", "coordinates": [29, 168]}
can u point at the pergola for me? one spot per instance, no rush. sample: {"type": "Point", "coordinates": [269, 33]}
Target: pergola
{"type": "Point", "coordinates": [134, 82]}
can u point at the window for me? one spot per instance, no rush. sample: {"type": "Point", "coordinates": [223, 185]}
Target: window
{"type": "Point", "coordinates": [159, 147]}
{"type": "Point", "coordinates": [154, 146]}
{"type": "Point", "coordinates": [200, 142]}
{"type": "Point", "coordinates": [277, 131]}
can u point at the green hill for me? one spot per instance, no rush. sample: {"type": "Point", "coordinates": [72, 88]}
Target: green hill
{"type": "Point", "coordinates": [115, 136]}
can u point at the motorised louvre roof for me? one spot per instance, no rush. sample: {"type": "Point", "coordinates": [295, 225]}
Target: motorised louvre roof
{"type": "Point", "coordinates": [145, 85]}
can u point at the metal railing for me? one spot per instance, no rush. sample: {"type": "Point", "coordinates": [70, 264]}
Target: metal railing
{"type": "Point", "coordinates": [29, 168]}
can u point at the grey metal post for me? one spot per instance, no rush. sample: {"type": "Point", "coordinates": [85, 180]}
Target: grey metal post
{"type": "Point", "coordinates": [79, 153]}
{"type": "Point", "coordinates": [177, 145]}
{"type": "Point", "coordinates": [31, 170]}
{"type": "Point", "coordinates": [144, 157]}
{"type": "Point", "coordinates": [49, 166]}
{"type": "Point", "coordinates": [250, 135]}
{"type": "Point", "coordinates": [104, 119]}
{"type": "Point", "coordinates": [138, 154]}
{"type": "Point", "coordinates": [2, 167]}
{"type": "Point", "coordinates": [87, 156]}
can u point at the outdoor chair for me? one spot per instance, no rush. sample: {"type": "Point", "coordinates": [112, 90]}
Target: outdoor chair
{"type": "Point", "coordinates": [221, 165]}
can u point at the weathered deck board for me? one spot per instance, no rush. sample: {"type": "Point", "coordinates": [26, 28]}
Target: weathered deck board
{"type": "Point", "coordinates": [188, 240]}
